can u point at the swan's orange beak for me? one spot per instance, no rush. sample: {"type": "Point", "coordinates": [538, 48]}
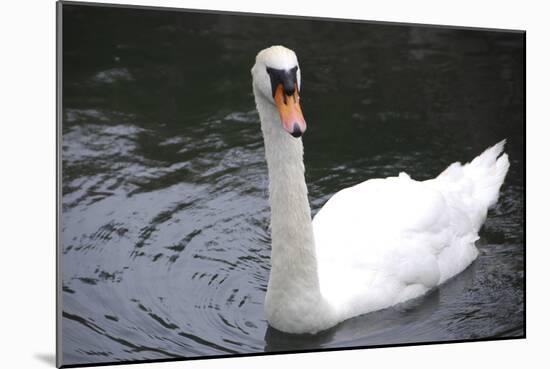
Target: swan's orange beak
{"type": "Point", "coordinates": [290, 111]}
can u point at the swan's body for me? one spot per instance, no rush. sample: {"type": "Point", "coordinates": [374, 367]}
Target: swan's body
{"type": "Point", "coordinates": [372, 245]}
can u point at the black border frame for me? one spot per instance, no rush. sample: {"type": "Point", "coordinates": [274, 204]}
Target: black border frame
{"type": "Point", "coordinates": [58, 207]}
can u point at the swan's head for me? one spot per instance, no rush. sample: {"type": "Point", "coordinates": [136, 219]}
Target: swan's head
{"type": "Point", "coordinates": [276, 78]}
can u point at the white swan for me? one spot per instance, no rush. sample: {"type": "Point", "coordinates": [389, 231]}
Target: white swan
{"type": "Point", "coordinates": [372, 245]}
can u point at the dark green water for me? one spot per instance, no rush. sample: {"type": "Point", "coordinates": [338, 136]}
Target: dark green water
{"type": "Point", "coordinates": [165, 240]}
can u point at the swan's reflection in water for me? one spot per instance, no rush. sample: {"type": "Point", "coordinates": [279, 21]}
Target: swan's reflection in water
{"type": "Point", "coordinates": [165, 218]}
{"type": "Point", "coordinates": [409, 322]}
{"type": "Point", "coordinates": [390, 326]}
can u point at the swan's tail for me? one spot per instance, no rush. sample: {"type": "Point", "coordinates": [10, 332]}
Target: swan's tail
{"type": "Point", "coordinates": [480, 179]}
{"type": "Point", "coordinates": [488, 171]}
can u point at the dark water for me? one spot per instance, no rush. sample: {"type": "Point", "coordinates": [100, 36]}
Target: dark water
{"type": "Point", "coordinates": [164, 212]}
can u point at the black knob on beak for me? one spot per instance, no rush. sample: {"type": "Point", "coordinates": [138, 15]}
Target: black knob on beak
{"type": "Point", "coordinates": [289, 84]}
{"type": "Point", "coordinates": [284, 77]}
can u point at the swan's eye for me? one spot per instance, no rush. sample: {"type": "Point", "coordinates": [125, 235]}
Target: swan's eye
{"type": "Point", "coordinates": [284, 77]}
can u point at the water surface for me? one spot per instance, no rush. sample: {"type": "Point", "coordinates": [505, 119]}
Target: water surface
{"type": "Point", "coordinates": [165, 239]}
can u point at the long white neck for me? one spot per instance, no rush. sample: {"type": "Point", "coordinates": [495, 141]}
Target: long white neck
{"type": "Point", "coordinates": [294, 280]}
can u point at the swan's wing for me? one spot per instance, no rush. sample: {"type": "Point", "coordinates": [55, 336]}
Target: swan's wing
{"type": "Point", "coordinates": [386, 240]}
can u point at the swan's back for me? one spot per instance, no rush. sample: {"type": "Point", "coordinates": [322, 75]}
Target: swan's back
{"type": "Point", "coordinates": [384, 241]}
